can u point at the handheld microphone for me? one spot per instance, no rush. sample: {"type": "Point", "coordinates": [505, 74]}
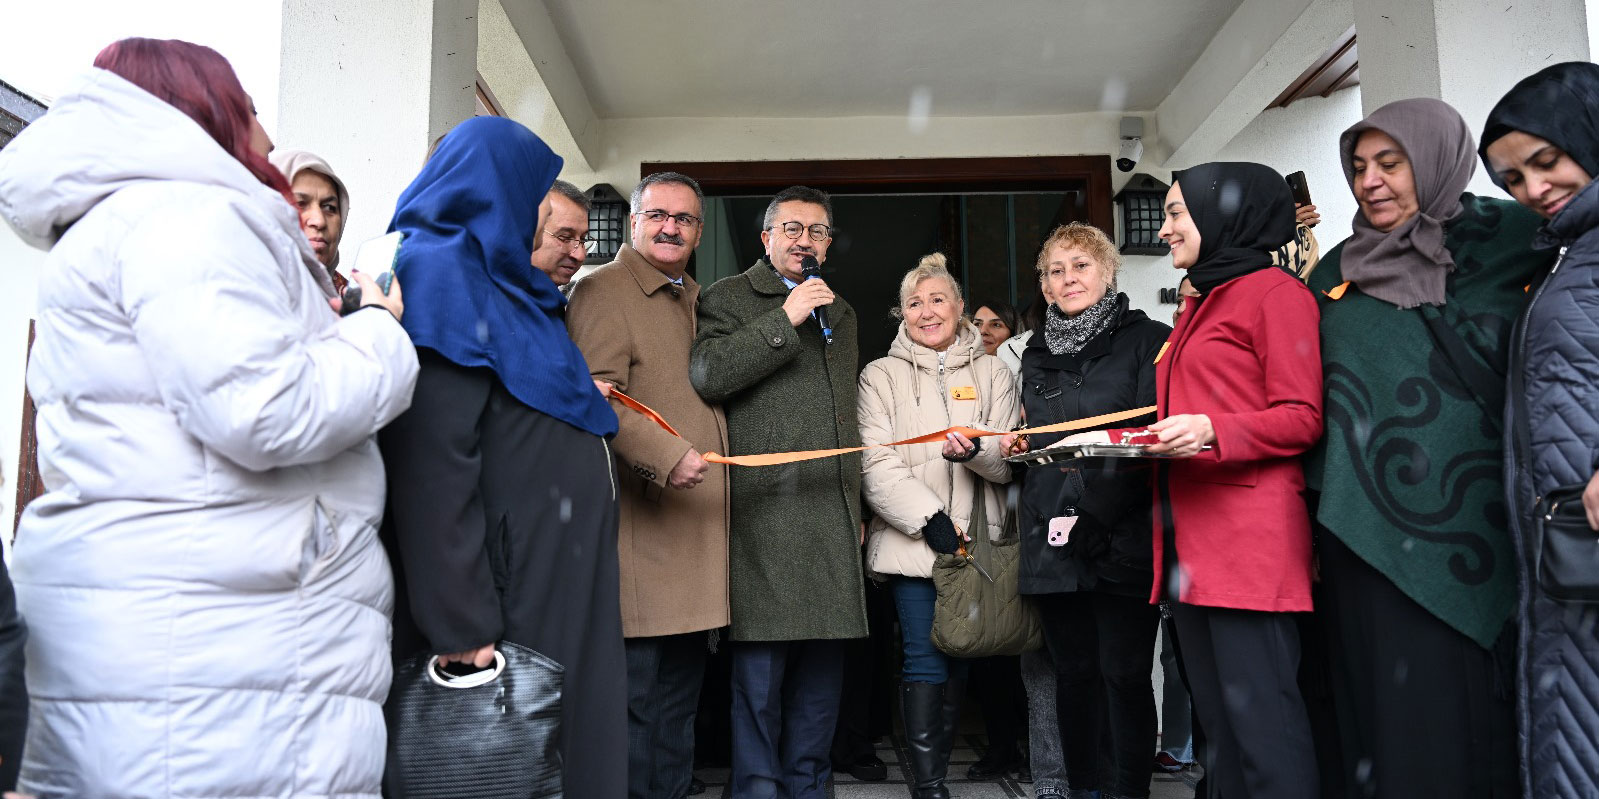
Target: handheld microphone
{"type": "Point", "coordinates": [812, 270]}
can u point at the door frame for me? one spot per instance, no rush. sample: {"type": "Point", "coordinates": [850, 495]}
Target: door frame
{"type": "Point", "coordinates": [1087, 175]}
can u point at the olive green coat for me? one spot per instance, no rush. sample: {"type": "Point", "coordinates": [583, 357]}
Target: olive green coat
{"type": "Point", "coordinates": [795, 559]}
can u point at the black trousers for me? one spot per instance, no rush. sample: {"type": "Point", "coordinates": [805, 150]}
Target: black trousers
{"type": "Point", "coordinates": [1419, 713]}
{"type": "Point", "coordinates": [996, 684]}
{"type": "Point", "coordinates": [1103, 647]}
{"type": "Point", "coordinates": [866, 702]}
{"type": "Point", "coordinates": [1243, 678]}
{"type": "Point", "coordinates": [664, 674]}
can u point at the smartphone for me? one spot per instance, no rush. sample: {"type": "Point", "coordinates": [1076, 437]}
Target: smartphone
{"type": "Point", "coordinates": [378, 256]}
{"type": "Point", "coordinates": [375, 257]}
{"type": "Point", "coordinates": [1299, 188]}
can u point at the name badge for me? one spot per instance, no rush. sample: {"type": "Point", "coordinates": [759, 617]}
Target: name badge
{"type": "Point", "coordinates": [963, 392]}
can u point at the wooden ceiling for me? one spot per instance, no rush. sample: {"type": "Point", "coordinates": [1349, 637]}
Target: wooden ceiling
{"type": "Point", "coordinates": [16, 111]}
{"type": "Point", "coordinates": [1338, 68]}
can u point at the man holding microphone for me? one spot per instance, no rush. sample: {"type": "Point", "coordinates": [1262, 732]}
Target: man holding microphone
{"type": "Point", "coordinates": [796, 581]}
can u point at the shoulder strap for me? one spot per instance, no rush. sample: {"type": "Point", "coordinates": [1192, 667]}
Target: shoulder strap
{"type": "Point", "coordinates": [1487, 387]}
{"type": "Point", "coordinates": [988, 393]}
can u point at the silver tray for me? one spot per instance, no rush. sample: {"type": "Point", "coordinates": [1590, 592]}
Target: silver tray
{"type": "Point", "coordinates": [1093, 450]}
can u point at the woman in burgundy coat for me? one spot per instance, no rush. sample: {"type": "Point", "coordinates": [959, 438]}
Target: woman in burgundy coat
{"type": "Point", "coordinates": [1240, 374]}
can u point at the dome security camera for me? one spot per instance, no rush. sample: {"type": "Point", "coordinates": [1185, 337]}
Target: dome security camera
{"type": "Point", "coordinates": [1132, 143]}
{"type": "Point", "coordinates": [1130, 151]}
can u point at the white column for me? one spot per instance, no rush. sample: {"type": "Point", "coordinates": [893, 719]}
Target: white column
{"type": "Point", "coordinates": [1467, 53]}
{"type": "Point", "coordinates": [368, 85]}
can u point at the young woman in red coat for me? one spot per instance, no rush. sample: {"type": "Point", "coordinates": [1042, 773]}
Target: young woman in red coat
{"type": "Point", "coordinates": [1241, 375]}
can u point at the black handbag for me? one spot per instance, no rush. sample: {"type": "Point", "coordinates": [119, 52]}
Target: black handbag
{"type": "Point", "coordinates": [1567, 549]}
{"type": "Point", "coordinates": [491, 734]}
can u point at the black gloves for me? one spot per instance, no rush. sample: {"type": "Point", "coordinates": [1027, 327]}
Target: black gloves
{"type": "Point", "coordinates": [1090, 538]}
{"type": "Point", "coordinates": [939, 533]}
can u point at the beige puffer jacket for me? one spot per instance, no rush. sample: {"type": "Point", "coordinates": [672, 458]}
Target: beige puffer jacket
{"type": "Point", "coordinates": [908, 393]}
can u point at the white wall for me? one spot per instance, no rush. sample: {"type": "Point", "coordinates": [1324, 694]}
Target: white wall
{"type": "Point", "coordinates": [1467, 53]}
{"type": "Point", "coordinates": [1592, 9]}
{"type": "Point", "coordinates": [406, 72]}
{"type": "Point", "coordinates": [1304, 136]}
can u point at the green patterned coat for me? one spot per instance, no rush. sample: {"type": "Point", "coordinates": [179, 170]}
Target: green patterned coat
{"type": "Point", "coordinates": [795, 561]}
{"type": "Point", "coordinates": [1410, 470]}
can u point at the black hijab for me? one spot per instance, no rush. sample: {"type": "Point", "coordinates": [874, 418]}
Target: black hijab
{"type": "Point", "coordinates": [1559, 104]}
{"type": "Point", "coordinates": [1244, 213]}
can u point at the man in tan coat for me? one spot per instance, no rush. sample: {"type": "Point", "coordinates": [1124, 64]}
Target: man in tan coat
{"type": "Point", "coordinates": [634, 320]}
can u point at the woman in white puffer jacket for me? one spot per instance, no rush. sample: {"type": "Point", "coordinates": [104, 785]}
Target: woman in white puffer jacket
{"type": "Point", "coordinates": [207, 598]}
{"type": "Point", "coordinates": [936, 375]}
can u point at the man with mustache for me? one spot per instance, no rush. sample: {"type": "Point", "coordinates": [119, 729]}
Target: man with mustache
{"type": "Point", "coordinates": [563, 246]}
{"type": "Point", "coordinates": [795, 577]}
{"type": "Point", "coordinates": [634, 320]}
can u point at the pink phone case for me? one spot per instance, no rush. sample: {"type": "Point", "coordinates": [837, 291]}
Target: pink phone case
{"type": "Point", "coordinates": [1060, 530]}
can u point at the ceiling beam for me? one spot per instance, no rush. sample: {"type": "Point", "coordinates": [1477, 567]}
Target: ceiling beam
{"type": "Point", "coordinates": [1262, 48]}
{"type": "Point", "coordinates": [1340, 63]}
{"type": "Point", "coordinates": [526, 67]}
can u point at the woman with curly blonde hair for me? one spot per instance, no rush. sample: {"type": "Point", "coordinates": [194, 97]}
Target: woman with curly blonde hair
{"type": "Point", "coordinates": [1085, 529]}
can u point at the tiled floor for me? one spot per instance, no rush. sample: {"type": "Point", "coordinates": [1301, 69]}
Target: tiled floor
{"type": "Point", "coordinates": [1162, 786]}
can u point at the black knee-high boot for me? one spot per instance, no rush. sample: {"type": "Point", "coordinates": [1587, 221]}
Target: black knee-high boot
{"type": "Point", "coordinates": [954, 694]}
{"type": "Point", "coordinates": [922, 705]}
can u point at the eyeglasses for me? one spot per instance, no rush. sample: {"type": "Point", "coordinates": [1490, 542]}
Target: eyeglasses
{"type": "Point", "coordinates": [567, 240]}
{"type": "Point", "coordinates": [659, 217]}
{"type": "Point", "coordinates": [792, 230]}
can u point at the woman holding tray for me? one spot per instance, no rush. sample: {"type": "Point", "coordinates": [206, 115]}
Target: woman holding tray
{"type": "Point", "coordinates": [1240, 398]}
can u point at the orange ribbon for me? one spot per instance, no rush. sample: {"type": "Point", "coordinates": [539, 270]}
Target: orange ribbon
{"type": "Point", "coordinates": [649, 413]}
{"type": "Point", "coordinates": [776, 458]}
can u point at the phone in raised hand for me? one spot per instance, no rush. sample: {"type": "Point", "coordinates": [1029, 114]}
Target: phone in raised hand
{"type": "Point", "coordinates": [374, 257]}
{"type": "Point", "coordinates": [1299, 188]}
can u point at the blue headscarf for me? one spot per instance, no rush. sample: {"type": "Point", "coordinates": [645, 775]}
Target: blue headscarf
{"type": "Point", "coordinates": [471, 291]}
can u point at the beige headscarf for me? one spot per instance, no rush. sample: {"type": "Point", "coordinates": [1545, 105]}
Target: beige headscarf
{"type": "Point", "coordinates": [292, 162]}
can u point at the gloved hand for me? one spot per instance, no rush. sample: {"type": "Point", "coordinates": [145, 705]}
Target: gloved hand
{"type": "Point", "coordinates": [1090, 538]}
{"type": "Point", "coordinates": [939, 533]}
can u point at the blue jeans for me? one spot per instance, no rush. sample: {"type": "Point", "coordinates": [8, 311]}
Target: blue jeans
{"type": "Point", "coordinates": [914, 598]}
{"type": "Point", "coordinates": [785, 708]}
{"type": "Point", "coordinates": [1043, 722]}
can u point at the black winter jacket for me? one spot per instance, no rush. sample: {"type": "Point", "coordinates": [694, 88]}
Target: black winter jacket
{"type": "Point", "coordinates": [1552, 427]}
{"type": "Point", "coordinates": [13, 691]}
{"type": "Point", "coordinates": [1115, 371]}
